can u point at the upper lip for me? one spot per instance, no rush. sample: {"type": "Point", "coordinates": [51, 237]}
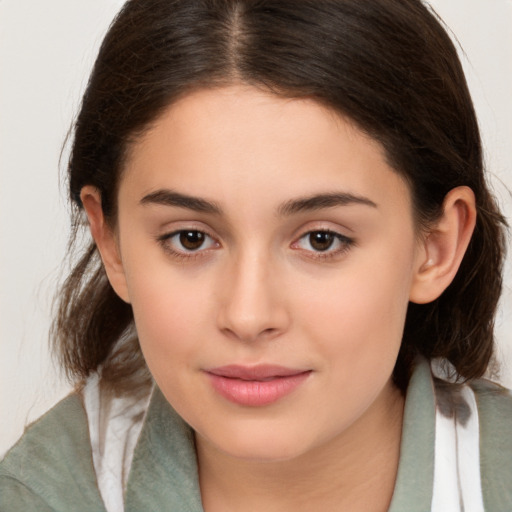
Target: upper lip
{"type": "Point", "coordinates": [258, 372]}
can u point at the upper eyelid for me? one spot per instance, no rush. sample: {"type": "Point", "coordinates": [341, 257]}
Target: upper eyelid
{"type": "Point", "coordinates": [299, 233]}
{"type": "Point", "coordinates": [169, 225]}
{"type": "Point", "coordinates": [328, 223]}
{"type": "Point", "coordinates": [172, 234]}
{"type": "Point", "coordinates": [323, 228]}
{"type": "Point", "coordinates": [339, 236]}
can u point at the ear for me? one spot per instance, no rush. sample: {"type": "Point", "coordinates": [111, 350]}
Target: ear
{"type": "Point", "coordinates": [105, 239]}
{"type": "Point", "coordinates": [442, 250]}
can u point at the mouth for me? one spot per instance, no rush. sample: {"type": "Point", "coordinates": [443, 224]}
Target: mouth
{"type": "Point", "coordinates": [256, 386]}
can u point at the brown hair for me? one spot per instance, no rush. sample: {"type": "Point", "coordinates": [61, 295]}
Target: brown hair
{"type": "Point", "coordinates": [389, 65]}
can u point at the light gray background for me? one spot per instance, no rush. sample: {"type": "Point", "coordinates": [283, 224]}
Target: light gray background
{"type": "Point", "coordinates": [46, 51]}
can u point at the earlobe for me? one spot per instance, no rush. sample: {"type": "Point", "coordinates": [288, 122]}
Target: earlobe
{"type": "Point", "coordinates": [444, 247]}
{"type": "Point", "coordinates": [105, 240]}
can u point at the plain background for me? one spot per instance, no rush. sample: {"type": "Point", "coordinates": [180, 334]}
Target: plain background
{"type": "Point", "coordinates": [46, 51]}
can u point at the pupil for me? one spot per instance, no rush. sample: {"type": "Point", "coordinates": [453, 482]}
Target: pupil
{"type": "Point", "coordinates": [320, 240]}
{"type": "Point", "coordinates": [191, 239]}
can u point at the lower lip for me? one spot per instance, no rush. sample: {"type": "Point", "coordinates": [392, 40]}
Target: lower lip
{"type": "Point", "coordinates": [256, 393]}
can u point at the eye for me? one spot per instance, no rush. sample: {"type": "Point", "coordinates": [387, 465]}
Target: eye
{"type": "Point", "coordinates": [324, 241]}
{"type": "Point", "coordinates": [187, 241]}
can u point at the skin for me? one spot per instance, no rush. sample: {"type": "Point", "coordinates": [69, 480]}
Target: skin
{"type": "Point", "coordinates": [259, 290]}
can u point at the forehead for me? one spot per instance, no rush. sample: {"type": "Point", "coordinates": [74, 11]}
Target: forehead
{"type": "Point", "coordinates": [241, 142]}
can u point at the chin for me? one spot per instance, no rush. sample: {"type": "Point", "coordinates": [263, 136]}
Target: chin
{"type": "Point", "coordinates": [258, 445]}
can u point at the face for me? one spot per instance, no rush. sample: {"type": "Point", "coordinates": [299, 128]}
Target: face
{"type": "Point", "coordinates": [268, 251]}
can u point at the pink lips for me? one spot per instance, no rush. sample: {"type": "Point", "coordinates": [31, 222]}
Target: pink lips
{"type": "Point", "coordinates": [256, 385]}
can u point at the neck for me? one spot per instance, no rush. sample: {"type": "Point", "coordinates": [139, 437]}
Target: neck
{"type": "Point", "coordinates": [355, 471]}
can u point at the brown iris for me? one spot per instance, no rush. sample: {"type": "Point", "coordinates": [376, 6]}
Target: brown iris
{"type": "Point", "coordinates": [321, 240]}
{"type": "Point", "coordinates": [192, 240]}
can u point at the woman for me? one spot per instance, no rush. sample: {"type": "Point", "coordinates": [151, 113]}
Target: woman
{"type": "Point", "coordinates": [290, 208]}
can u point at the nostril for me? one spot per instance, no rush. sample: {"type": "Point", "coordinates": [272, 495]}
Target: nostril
{"type": "Point", "coordinates": [250, 335]}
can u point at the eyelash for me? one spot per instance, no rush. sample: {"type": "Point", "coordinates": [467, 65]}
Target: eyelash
{"type": "Point", "coordinates": [166, 242]}
{"type": "Point", "coordinates": [345, 242]}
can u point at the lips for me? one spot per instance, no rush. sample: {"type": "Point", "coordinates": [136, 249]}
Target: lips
{"type": "Point", "coordinates": [256, 385]}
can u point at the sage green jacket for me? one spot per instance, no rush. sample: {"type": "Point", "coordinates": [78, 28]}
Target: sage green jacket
{"type": "Point", "coordinates": [51, 469]}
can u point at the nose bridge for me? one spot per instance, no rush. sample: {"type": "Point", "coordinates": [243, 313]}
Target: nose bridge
{"type": "Point", "coordinates": [251, 306]}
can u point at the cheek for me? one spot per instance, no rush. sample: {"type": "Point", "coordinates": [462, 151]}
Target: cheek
{"type": "Point", "coordinates": [168, 316]}
{"type": "Point", "coordinates": [359, 312]}
{"type": "Point", "coordinates": [355, 325]}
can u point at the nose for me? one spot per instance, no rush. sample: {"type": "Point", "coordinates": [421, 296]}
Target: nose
{"type": "Point", "coordinates": [252, 304]}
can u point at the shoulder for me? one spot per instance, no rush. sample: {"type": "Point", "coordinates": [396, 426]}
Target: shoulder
{"type": "Point", "coordinates": [50, 468]}
{"type": "Point", "coordinates": [492, 396]}
{"type": "Point", "coordinates": [494, 405]}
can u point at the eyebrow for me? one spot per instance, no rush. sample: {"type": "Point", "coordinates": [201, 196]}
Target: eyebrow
{"type": "Point", "coordinates": [167, 197]}
{"type": "Point", "coordinates": [320, 201]}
